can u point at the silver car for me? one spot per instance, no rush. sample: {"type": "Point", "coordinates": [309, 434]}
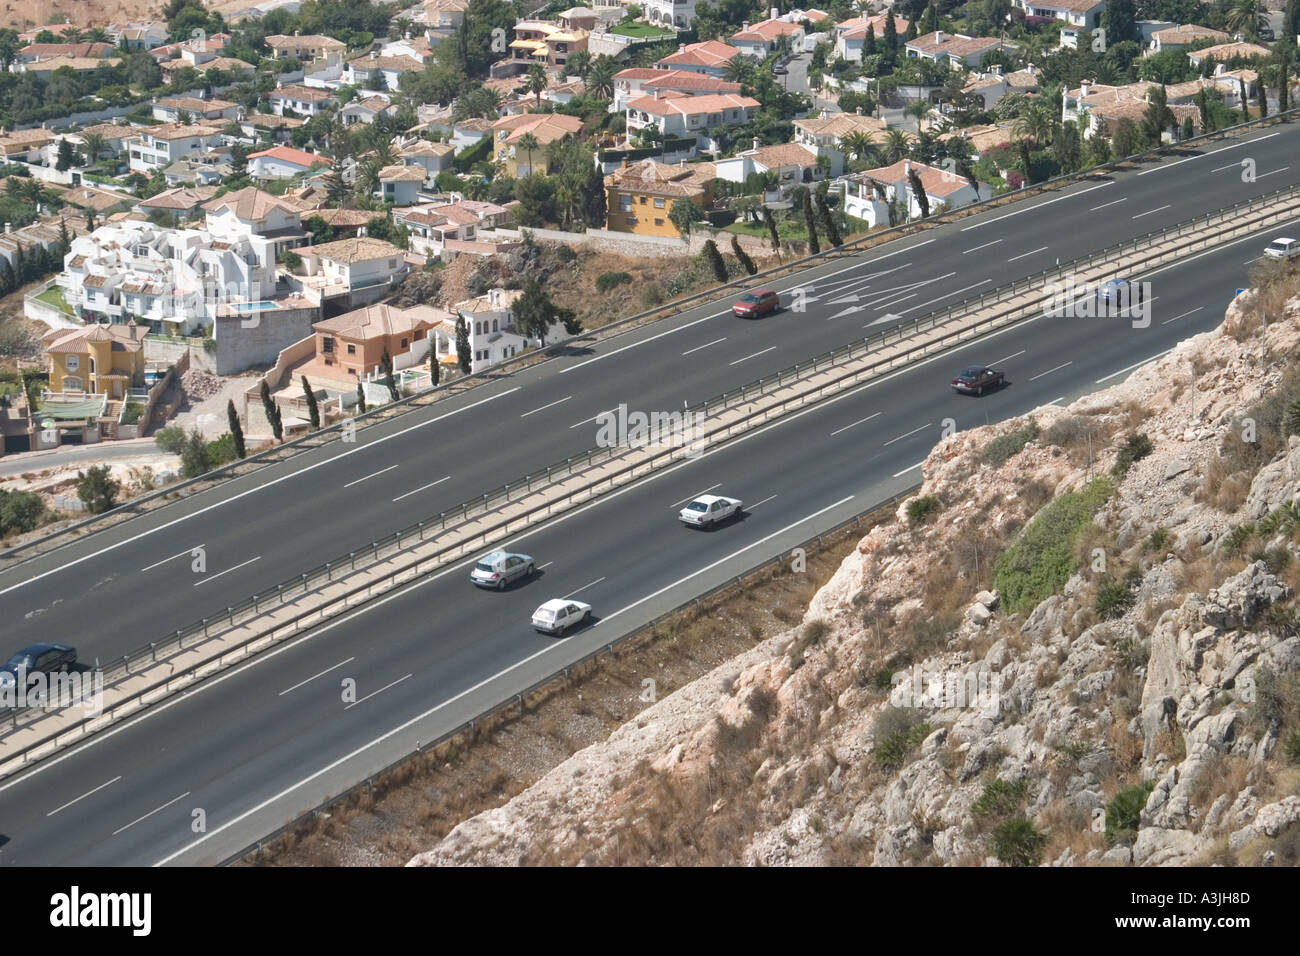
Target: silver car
{"type": "Point", "coordinates": [500, 568]}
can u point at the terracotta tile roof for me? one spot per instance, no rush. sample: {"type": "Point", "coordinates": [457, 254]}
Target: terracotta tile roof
{"type": "Point", "coordinates": [856, 29]}
{"type": "Point", "coordinates": [287, 154]}
{"type": "Point", "coordinates": [936, 182]}
{"type": "Point", "coordinates": [307, 94]}
{"type": "Point", "coordinates": [685, 80]}
{"type": "Point", "coordinates": [638, 73]}
{"type": "Point", "coordinates": [360, 249]}
{"type": "Point", "coordinates": [1226, 51]}
{"type": "Point", "coordinates": [546, 127]}
{"type": "Point", "coordinates": [250, 204]}
{"type": "Point", "coordinates": [840, 125]}
{"type": "Point", "coordinates": [73, 341]}
{"type": "Point", "coordinates": [402, 174]}
{"type": "Point", "coordinates": [281, 42]}
{"type": "Point", "coordinates": [82, 64]}
{"type": "Point", "coordinates": [660, 179]}
{"type": "Point", "coordinates": [109, 131]}
{"type": "Point", "coordinates": [183, 198]}
{"type": "Point", "coordinates": [1187, 33]}
{"type": "Point", "coordinates": [85, 50]}
{"type": "Point", "coordinates": [766, 32]}
{"type": "Point", "coordinates": [172, 131]}
{"type": "Point", "coordinates": [271, 121]}
{"type": "Point", "coordinates": [382, 321]}
{"type": "Point", "coordinates": [399, 63]}
{"type": "Point", "coordinates": [782, 154]}
{"type": "Point", "coordinates": [707, 53]}
{"type": "Point", "coordinates": [692, 105]}
{"type": "Point", "coordinates": [940, 43]}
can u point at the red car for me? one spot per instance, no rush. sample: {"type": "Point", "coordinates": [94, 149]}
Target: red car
{"type": "Point", "coordinates": [753, 304]}
{"type": "Point", "coordinates": [977, 379]}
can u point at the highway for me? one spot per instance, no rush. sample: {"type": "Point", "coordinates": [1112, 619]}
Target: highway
{"type": "Point", "coordinates": [274, 737]}
{"type": "Point", "coordinates": [113, 592]}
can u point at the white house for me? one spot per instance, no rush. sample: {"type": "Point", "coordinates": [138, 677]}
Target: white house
{"type": "Point", "coordinates": [955, 49]}
{"type": "Point", "coordinates": [759, 39]}
{"type": "Point", "coordinates": [679, 114]}
{"type": "Point", "coordinates": [374, 72]}
{"type": "Point", "coordinates": [160, 146]}
{"type": "Point", "coordinates": [211, 112]}
{"type": "Point", "coordinates": [1173, 38]}
{"type": "Point", "coordinates": [493, 336]}
{"type": "Point", "coordinates": [1080, 14]}
{"type": "Point", "coordinates": [670, 13]}
{"type": "Point", "coordinates": [299, 100]}
{"type": "Point", "coordinates": [851, 35]}
{"type": "Point", "coordinates": [433, 158]}
{"type": "Point", "coordinates": [401, 185]}
{"type": "Point", "coordinates": [709, 56]}
{"type": "Point", "coordinates": [281, 162]}
{"type": "Point", "coordinates": [868, 195]}
{"type": "Point", "coordinates": [365, 110]}
{"type": "Point", "coordinates": [792, 163]}
{"type": "Point", "coordinates": [362, 268]}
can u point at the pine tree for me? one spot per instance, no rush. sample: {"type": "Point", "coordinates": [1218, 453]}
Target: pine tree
{"type": "Point", "coordinates": [742, 256]}
{"type": "Point", "coordinates": [236, 432]}
{"type": "Point", "coordinates": [715, 260]}
{"type": "Point", "coordinates": [97, 489]}
{"type": "Point", "coordinates": [313, 411]}
{"type": "Point", "coordinates": [272, 412]}
{"type": "Point", "coordinates": [463, 358]}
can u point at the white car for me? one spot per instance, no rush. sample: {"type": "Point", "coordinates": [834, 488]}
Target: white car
{"type": "Point", "coordinates": [500, 568]}
{"type": "Point", "coordinates": [707, 510]}
{"type": "Point", "coordinates": [558, 615]}
{"type": "Point", "coordinates": [1283, 249]}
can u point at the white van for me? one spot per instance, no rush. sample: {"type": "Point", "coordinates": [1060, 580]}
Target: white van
{"type": "Point", "coordinates": [1283, 249]}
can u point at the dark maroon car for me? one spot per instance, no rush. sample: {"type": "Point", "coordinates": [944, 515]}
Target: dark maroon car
{"type": "Point", "coordinates": [753, 304]}
{"type": "Point", "coordinates": [977, 379]}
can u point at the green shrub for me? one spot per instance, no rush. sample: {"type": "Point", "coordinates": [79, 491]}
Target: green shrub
{"type": "Point", "coordinates": [1000, 798]}
{"type": "Point", "coordinates": [170, 439]}
{"type": "Point", "coordinates": [1004, 447]}
{"type": "Point", "coordinates": [131, 413]}
{"type": "Point", "coordinates": [1135, 448]}
{"type": "Point", "coordinates": [565, 253]}
{"type": "Point", "coordinates": [1158, 541]}
{"type": "Point", "coordinates": [20, 511]}
{"type": "Point", "coordinates": [97, 489]}
{"type": "Point", "coordinates": [1042, 558]}
{"type": "Point", "coordinates": [611, 280]}
{"type": "Point", "coordinates": [919, 509]}
{"type": "Point", "coordinates": [898, 731]}
{"type": "Point", "coordinates": [1235, 541]}
{"type": "Point", "coordinates": [1113, 599]}
{"type": "Point", "coordinates": [1018, 843]}
{"type": "Point", "coordinates": [1124, 812]}
{"type": "Point", "coordinates": [221, 450]}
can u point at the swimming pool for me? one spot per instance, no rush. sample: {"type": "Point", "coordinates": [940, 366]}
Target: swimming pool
{"type": "Point", "coordinates": [262, 306]}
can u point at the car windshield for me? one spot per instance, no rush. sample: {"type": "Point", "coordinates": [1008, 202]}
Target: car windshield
{"type": "Point", "coordinates": [19, 660]}
{"type": "Point", "coordinates": [697, 506]}
{"type": "Point", "coordinates": [545, 613]}
{"type": "Point", "coordinates": [1280, 243]}
{"type": "Point", "coordinates": [484, 566]}
{"type": "Point", "coordinates": [749, 297]}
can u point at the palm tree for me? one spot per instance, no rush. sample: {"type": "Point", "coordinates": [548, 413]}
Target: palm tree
{"type": "Point", "coordinates": [1245, 16]}
{"type": "Point", "coordinates": [917, 111]}
{"type": "Point", "coordinates": [579, 63]}
{"type": "Point", "coordinates": [567, 201]}
{"type": "Point", "coordinates": [600, 78]}
{"type": "Point", "coordinates": [367, 178]}
{"type": "Point", "coordinates": [536, 81]}
{"type": "Point", "coordinates": [895, 146]}
{"type": "Point", "coordinates": [385, 151]}
{"type": "Point", "coordinates": [740, 69]}
{"type": "Point", "coordinates": [1033, 125]}
{"type": "Point", "coordinates": [859, 145]}
{"type": "Point", "coordinates": [528, 143]}
{"type": "Point", "coordinates": [94, 143]}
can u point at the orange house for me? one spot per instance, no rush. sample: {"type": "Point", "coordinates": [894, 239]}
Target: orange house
{"type": "Point", "coordinates": [354, 342]}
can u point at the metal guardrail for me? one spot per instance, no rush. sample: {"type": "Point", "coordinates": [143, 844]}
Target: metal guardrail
{"type": "Point", "coordinates": [516, 699]}
{"type": "Point", "coordinates": [324, 575]}
{"type": "Point", "coordinates": [392, 410]}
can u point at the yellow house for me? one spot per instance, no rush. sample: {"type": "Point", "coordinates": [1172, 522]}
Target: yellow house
{"type": "Point", "coordinates": [639, 197]}
{"type": "Point", "coordinates": [99, 359]}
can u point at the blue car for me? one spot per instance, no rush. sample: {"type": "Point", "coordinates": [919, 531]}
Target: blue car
{"type": "Point", "coordinates": [39, 658]}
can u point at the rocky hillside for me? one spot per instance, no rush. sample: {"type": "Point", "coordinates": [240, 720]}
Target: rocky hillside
{"type": "Point", "coordinates": [1078, 644]}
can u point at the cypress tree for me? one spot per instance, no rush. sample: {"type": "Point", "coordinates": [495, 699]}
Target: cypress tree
{"type": "Point", "coordinates": [715, 261]}
{"type": "Point", "coordinates": [236, 432]}
{"type": "Point", "coordinates": [742, 256]}
{"type": "Point", "coordinates": [829, 225]}
{"type": "Point", "coordinates": [313, 412]}
{"type": "Point", "coordinates": [462, 345]}
{"type": "Point", "coordinates": [361, 399]}
{"type": "Point", "coordinates": [810, 224]}
{"type": "Point", "coordinates": [386, 362]}
{"type": "Point", "coordinates": [770, 221]}
{"type": "Point", "coordinates": [272, 412]}
{"type": "Point", "coordinates": [434, 369]}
